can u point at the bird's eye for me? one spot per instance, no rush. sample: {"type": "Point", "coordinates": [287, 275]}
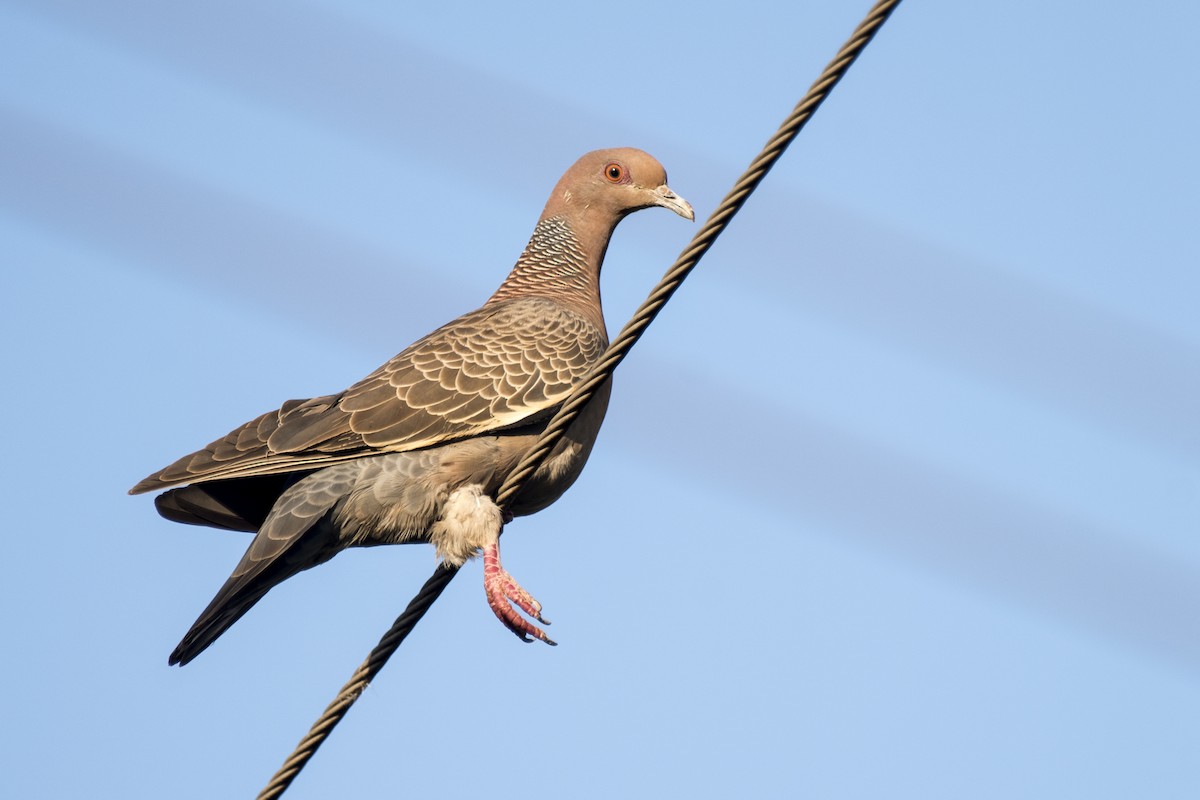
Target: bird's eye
{"type": "Point", "coordinates": [615, 173]}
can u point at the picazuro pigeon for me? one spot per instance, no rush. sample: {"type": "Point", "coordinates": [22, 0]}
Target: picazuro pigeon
{"type": "Point", "coordinates": [415, 451]}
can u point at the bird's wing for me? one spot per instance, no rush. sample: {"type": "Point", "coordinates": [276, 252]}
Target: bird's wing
{"type": "Point", "coordinates": [490, 369]}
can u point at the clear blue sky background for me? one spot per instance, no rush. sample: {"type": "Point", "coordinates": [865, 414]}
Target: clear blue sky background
{"type": "Point", "coordinates": [900, 497]}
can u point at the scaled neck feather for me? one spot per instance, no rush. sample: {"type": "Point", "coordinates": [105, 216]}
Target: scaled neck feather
{"type": "Point", "coordinates": [558, 266]}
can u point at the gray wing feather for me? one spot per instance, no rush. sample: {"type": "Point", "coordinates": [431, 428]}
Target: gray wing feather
{"type": "Point", "coordinates": [286, 544]}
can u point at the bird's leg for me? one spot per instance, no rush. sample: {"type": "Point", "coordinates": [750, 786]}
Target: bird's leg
{"type": "Point", "coordinates": [471, 522]}
{"type": "Point", "coordinates": [502, 591]}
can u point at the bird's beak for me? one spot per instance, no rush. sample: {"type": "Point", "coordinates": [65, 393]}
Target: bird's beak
{"type": "Point", "coordinates": [664, 197]}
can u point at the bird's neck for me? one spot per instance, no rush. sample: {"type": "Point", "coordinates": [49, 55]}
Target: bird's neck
{"type": "Point", "coordinates": [560, 265]}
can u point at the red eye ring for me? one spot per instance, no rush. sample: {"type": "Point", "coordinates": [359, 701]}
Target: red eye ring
{"type": "Point", "coordinates": [614, 172]}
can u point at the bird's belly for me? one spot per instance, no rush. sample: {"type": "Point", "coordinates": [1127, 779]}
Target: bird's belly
{"type": "Point", "coordinates": [398, 498]}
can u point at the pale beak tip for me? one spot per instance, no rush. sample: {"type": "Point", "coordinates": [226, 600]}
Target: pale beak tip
{"type": "Point", "coordinates": [668, 199]}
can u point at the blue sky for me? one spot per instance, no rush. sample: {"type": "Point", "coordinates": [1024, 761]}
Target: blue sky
{"type": "Point", "coordinates": [899, 497]}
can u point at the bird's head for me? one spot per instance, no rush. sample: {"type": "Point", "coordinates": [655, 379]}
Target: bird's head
{"type": "Point", "coordinates": [609, 184]}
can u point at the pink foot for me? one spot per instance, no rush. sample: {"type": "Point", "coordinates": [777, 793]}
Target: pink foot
{"type": "Point", "coordinates": [502, 590]}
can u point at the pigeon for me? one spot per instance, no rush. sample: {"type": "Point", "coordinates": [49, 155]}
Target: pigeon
{"type": "Point", "coordinates": [416, 451]}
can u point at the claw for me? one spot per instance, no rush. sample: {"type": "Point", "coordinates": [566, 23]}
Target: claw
{"type": "Point", "coordinates": [503, 592]}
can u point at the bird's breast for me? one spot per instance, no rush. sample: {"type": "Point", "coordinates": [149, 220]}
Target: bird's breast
{"type": "Point", "coordinates": [566, 461]}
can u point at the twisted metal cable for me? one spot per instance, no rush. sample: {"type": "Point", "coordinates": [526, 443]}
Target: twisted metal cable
{"type": "Point", "coordinates": [582, 393]}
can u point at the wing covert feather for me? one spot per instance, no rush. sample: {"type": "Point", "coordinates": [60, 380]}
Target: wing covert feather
{"type": "Point", "coordinates": [489, 369]}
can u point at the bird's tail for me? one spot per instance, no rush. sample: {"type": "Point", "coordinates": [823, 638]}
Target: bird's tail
{"type": "Point", "coordinates": [262, 567]}
{"type": "Point", "coordinates": [225, 609]}
{"type": "Point", "coordinates": [236, 504]}
{"type": "Point", "coordinates": [290, 540]}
